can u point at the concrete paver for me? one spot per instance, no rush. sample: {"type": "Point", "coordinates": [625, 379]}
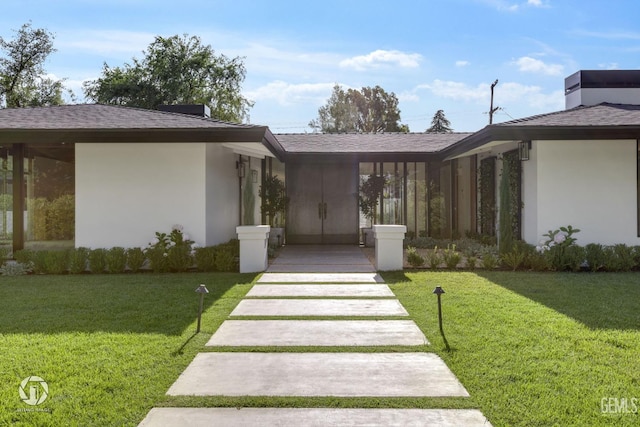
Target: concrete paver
{"type": "Point", "coordinates": [327, 290]}
{"type": "Point", "coordinates": [317, 374]}
{"type": "Point", "coordinates": [319, 307]}
{"type": "Point", "coordinates": [317, 333]}
{"type": "Point", "coordinates": [321, 259]}
{"type": "Point", "coordinates": [313, 417]}
{"type": "Point", "coordinates": [328, 277]}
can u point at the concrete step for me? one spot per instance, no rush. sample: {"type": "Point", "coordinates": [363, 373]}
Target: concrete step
{"type": "Point", "coordinates": [319, 307]}
{"type": "Point", "coordinates": [326, 290]}
{"type": "Point", "coordinates": [326, 277]}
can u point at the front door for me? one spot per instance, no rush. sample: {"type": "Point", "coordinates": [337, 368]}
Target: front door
{"type": "Point", "coordinates": [323, 203]}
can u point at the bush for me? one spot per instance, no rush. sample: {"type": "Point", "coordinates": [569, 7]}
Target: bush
{"type": "Point", "coordinates": [23, 256]}
{"type": "Point", "coordinates": [574, 257]}
{"type": "Point", "coordinates": [98, 260]}
{"type": "Point", "coordinates": [490, 258]}
{"type": "Point", "coordinates": [78, 260]}
{"type": "Point", "coordinates": [170, 252]}
{"type": "Point", "coordinates": [619, 258]}
{"type": "Point", "coordinates": [56, 262]}
{"type": "Point", "coordinates": [15, 269]}
{"type": "Point", "coordinates": [206, 258]}
{"type": "Point", "coordinates": [116, 260]}
{"type": "Point", "coordinates": [434, 259]}
{"type": "Point", "coordinates": [226, 259]}
{"type": "Point", "coordinates": [451, 257]}
{"type": "Point", "coordinates": [180, 258]}
{"type": "Point", "coordinates": [471, 262]}
{"type": "Point", "coordinates": [135, 259]}
{"type": "Point", "coordinates": [514, 259]}
{"type": "Point", "coordinates": [414, 258]}
{"type": "Point", "coordinates": [595, 256]}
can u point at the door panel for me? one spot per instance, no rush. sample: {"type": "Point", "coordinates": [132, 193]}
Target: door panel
{"type": "Point", "coordinates": [323, 204]}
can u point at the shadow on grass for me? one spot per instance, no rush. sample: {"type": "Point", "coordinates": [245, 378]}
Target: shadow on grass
{"type": "Point", "coordinates": [137, 303]}
{"type": "Point", "coordinates": [597, 300]}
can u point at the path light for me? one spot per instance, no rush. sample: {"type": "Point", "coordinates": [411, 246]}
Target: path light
{"type": "Point", "coordinates": [202, 289]}
{"type": "Point", "coordinates": [439, 291]}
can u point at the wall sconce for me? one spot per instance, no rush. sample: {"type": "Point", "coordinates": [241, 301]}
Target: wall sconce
{"type": "Point", "coordinates": [523, 150]}
{"type": "Point", "coordinates": [254, 176]}
{"type": "Point", "coordinates": [241, 169]}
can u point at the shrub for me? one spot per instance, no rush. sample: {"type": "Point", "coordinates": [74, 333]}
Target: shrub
{"type": "Point", "coordinates": [490, 258]}
{"type": "Point", "coordinates": [574, 257]}
{"type": "Point", "coordinates": [206, 258]}
{"type": "Point", "coordinates": [451, 257]}
{"type": "Point", "coordinates": [135, 259]}
{"type": "Point", "coordinates": [4, 252]}
{"type": "Point", "coordinates": [226, 260]}
{"type": "Point", "coordinates": [595, 256]}
{"type": "Point", "coordinates": [98, 260]}
{"type": "Point", "coordinates": [414, 258]}
{"type": "Point", "coordinates": [23, 256]}
{"type": "Point", "coordinates": [434, 259]}
{"type": "Point", "coordinates": [555, 249]}
{"type": "Point", "coordinates": [619, 258]}
{"type": "Point", "coordinates": [514, 259]}
{"type": "Point", "coordinates": [78, 260]}
{"type": "Point", "coordinates": [15, 269]}
{"type": "Point", "coordinates": [471, 262]}
{"type": "Point", "coordinates": [56, 262]}
{"type": "Point", "coordinates": [170, 252]}
{"type": "Point", "coordinates": [180, 258]}
{"type": "Point", "coordinates": [116, 259]}
{"type": "Point", "coordinates": [39, 262]}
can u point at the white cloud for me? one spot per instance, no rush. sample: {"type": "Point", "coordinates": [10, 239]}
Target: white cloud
{"type": "Point", "coordinates": [510, 6]}
{"type": "Point", "coordinates": [532, 65]}
{"type": "Point", "coordinates": [457, 91]}
{"type": "Point", "coordinates": [537, 3]}
{"type": "Point", "coordinates": [380, 58]}
{"type": "Point", "coordinates": [609, 66]}
{"type": "Point", "coordinates": [288, 94]}
{"type": "Point", "coordinates": [106, 42]}
{"type": "Point", "coordinates": [462, 63]}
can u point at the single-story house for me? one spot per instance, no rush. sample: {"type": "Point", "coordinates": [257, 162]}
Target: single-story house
{"type": "Point", "coordinates": [104, 176]}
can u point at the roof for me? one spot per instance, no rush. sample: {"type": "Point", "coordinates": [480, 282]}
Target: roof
{"type": "Point", "coordinates": [367, 144]}
{"type": "Point", "coordinates": [602, 121]}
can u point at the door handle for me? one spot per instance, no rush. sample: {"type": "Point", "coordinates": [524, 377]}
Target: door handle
{"type": "Point", "coordinates": [320, 210]}
{"type": "Point", "coordinates": [325, 211]}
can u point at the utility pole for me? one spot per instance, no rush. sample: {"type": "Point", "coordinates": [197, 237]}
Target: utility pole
{"type": "Point", "coordinates": [491, 109]}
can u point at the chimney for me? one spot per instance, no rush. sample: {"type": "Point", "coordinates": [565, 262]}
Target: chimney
{"type": "Point", "coordinates": [200, 110]}
{"type": "Point", "coordinates": [593, 87]}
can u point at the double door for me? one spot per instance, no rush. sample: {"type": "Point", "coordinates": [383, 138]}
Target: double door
{"type": "Point", "coordinates": [323, 203]}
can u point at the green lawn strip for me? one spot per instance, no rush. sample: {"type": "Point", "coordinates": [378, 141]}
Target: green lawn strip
{"type": "Point", "coordinates": [317, 402]}
{"type": "Point", "coordinates": [320, 349]}
{"type": "Point", "coordinates": [108, 346]}
{"type": "Point", "coordinates": [534, 348]}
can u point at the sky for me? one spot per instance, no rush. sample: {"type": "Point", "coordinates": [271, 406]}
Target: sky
{"type": "Point", "coordinates": [433, 54]}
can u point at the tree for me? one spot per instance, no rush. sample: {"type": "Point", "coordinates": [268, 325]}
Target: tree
{"type": "Point", "coordinates": [439, 123]}
{"type": "Point", "coordinates": [23, 81]}
{"type": "Point", "coordinates": [175, 70]}
{"type": "Point", "coordinates": [370, 110]}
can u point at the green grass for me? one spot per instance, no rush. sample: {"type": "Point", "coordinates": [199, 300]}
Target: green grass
{"type": "Point", "coordinates": [535, 349]}
{"type": "Point", "coordinates": [109, 347]}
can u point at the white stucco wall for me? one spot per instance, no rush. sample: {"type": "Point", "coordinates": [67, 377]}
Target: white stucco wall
{"type": "Point", "coordinates": [222, 193]}
{"type": "Point", "coordinates": [590, 185]}
{"type": "Point", "coordinates": [127, 192]}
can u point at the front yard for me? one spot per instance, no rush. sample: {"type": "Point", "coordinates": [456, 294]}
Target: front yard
{"type": "Point", "coordinates": [531, 348]}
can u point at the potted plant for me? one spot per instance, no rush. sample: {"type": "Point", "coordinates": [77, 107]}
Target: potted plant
{"type": "Point", "coordinates": [369, 197]}
{"type": "Point", "coordinates": [274, 205]}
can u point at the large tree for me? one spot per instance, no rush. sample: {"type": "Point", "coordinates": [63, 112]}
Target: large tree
{"type": "Point", "coordinates": [439, 123]}
{"type": "Point", "coordinates": [370, 110]}
{"type": "Point", "coordinates": [23, 80]}
{"type": "Point", "coordinates": [175, 70]}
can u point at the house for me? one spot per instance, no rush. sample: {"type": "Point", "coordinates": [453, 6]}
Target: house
{"type": "Point", "coordinates": [103, 176]}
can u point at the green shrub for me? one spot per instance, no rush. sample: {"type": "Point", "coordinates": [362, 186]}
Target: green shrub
{"type": "Point", "coordinates": [39, 262]}
{"type": "Point", "coordinates": [15, 269]}
{"type": "Point", "coordinates": [226, 259]}
{"type": "Point", "coordinates": [451, 257]}
{"type": "Point", "coordinates": [116, 259]}
{"type": "Point", "coordinates": [489, 258]}
{"type": "Point", "coordinates": [514, 259]}
{"type": "Point", "coordinates": [206, 258]}
{"type": "Point", "coordinates": [595, 256]}
{"type": "Point", "coordinates": [78, 260]}
{"type": "Point", "coordinates": [180, 258]}
{"type": "Point", "coordinates": [536, 261]}
{"type": "Point", "coordinates": [471, 262]}
{"type": "Point", "coordinates": [56, 262]}
{"type": "Point", "coordinates": [23, 256]}
{"type": "Point", "coordinates": [135, 259]}
{"type": "Point", "coordinates": [574, 257]}
{"type": "Point", "coordinates": [434, 259]}
{"type": "Point", "coordinates": [98, 260]}
{"type": "Point", "coordinates": [4, 253]}
{"type": "Point", "coordinates": [619, 258]}
{"type": "Point", "coordinates": [414, 258]}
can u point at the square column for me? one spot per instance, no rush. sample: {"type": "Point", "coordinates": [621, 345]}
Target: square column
{"type": "Point", "coordinates": [254, 241]}
{"type": "Point", "coordinates": [389, 250]}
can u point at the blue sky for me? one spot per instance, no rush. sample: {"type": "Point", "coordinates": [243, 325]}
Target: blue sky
{"type": "Point", "coordinates": [433, 54]}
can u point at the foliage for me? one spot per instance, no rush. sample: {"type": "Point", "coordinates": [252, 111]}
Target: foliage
{"type": "Point", "coordinates": [369, 110]}
{"type": "Point", "coordinates": [434, 259]}
{"type": "Point", "coordinates": [176, 70]}
{"type": "Point", "coordinates": [490, 259]}
{"type": "Point", "coordinates": [206, 258]}
{"type": "Point", "coordinates": [227, 256]}
{"type": "Point", "coordinates": [116, 258]}
{"type": "Point", "coordinates": [170, 252]}
{"type": "Point", "coordinates": [135, 259]}
{"type": "Point", "coordinates": [555, 249]}
{"type": "Point", "coordinates": [274, 200]}
{"type": "Point", "coordinates": [514, 259]}
{"type": "Point", "coordinates": [78, 258]}
{"type": "Point", "coordinates": [23, 81]}
{"type": "Point", "coordinates": [369, 195]}
{"type": "Point", "coordinates": [471, 261]}
{"type": "Point", "coordinates": [440, 123]}
{"type": "Point", "coordinates": [51, 219]}
{"type": "Point", "coordinates": [56, 262]}
{"type": "Point", "coordinates": [248, 201]}
{"type": "Point", "coordinates": [414, 258]}
{"type": "Point", "coordinates": [505, 238]}
{"type": "Point", "coordinates": [619, 257]}
{"type": "Point", "coordinates": [451, 257]}
{"type": "Point", "coordinates": [594, 256]}
{"type": "Point", "coordinates": [98, 260]}
{"type": "Point", "coordinates": [487, 202]}
{"type": "Point", "coordinates": [15, 269]}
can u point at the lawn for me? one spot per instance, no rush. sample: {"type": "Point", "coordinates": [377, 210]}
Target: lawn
{"type": "Point", "coordinates": [533, 349]}
{"type": "Point", "coordinates": [108, 346]}
{"type": "Point", "coordinates": [536, 349]}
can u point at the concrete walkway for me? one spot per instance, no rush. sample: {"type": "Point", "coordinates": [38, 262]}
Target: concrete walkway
{"type": "Point", "coordinates": [321, 259]}
{"type": "Point", "coordinates": [308, 296]}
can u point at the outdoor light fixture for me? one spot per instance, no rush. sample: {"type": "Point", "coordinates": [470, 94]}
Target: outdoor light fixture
{"type": "Point", "coordinates": [439, 291]}
{"type": "Point", "coordinates": [241, 168]}
{"type": "Point", "coordinates": [254, 176]}
{"type": "Point", "coordinates": [202, 290]}
{"type": "Point", "coordinates": [523, 150]}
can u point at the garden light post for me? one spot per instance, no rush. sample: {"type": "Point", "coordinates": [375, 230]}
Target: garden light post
{"type": "Point", "coordinates": [439, 291]}
{"type": "Point", "coordinates": [202, 290]}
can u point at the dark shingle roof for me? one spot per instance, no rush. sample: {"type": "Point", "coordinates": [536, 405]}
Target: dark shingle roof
{"type": "Point", "coordinates": [597, 115]}
{"type": "Point", "coordinates": [336, 143]}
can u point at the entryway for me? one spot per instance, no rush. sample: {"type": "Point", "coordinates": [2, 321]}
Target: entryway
{"type": "Point", "coordinates": [323, 203]}
{"type": "Point", "coordinates": [321, 259]}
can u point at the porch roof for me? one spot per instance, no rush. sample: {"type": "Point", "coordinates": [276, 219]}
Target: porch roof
{"type": "Point", "coordinates": [602, 121]}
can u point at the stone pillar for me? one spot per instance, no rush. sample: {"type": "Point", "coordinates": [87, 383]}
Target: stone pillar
{"type": "Point", "coordinates": [389, 249]}
{"type": "Point", "coordinates": [253, 247]}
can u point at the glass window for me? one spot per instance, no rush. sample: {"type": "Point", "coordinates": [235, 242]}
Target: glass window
{"type": "Point", "coordinates": [6, 199]}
